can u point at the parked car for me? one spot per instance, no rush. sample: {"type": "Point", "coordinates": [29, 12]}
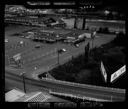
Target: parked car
{"type": "Point", "coordinates": [6, 40]}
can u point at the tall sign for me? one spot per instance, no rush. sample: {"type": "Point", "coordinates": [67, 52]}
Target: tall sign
{"type": "Point", "coordinates": [17, 57]}
{"type": "Point", "coordinates": [118, 73]}
{"type": "Point", "coordinates": [93, 34]}
{"type": "Point", "coordinates": [103, 71]}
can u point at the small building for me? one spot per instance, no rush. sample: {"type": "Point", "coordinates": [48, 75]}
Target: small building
{"type": "Point", "coordinates": [16, 95]}
{"type": "Point", "coordinates": [13, 95]}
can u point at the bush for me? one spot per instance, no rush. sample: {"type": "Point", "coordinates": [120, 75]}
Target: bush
{"type": "Point", "coordinates": [112, 57]}
{"type": "Point", "coordinates": [83, 77]}
{"type": "Point", "coordinates": [114, 60]}
{"type": "Point", "coordinates": [97, 78]}
{"type": "Point", "coordinates": [97, 54]}
{"type": "Point", "coordinates": [120, 39]}
{"type": "Point", "coordinates": [103, 30]}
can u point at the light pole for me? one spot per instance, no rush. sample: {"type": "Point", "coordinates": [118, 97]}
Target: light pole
{"type": "Point", "coordinates": [59, 51]}
{"type": "Point", "coordinates": [93, 35]}
{"type": "Point", "coordinates": [22, 74]}
{"type": "Point", "coordinates": [58, 55]}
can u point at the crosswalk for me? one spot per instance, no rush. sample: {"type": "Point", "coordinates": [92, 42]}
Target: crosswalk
{"type": "Point", "coordinates": [40, 97]}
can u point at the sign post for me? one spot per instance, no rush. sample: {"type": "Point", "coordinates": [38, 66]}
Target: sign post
{"type": "Point", "coordinates": [93, 34]}
{"type": "Point", "coordinates": [22, 74]}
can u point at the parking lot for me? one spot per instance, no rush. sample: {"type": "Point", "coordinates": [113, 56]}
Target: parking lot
{"type": "Point", "coordinates": [45, 57]}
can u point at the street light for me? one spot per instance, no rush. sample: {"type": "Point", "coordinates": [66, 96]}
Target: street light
{"type": "Point", "coordinates": [93, 34]}
{"type": "Point", "coordinates": [22, 74]}
{"type": "Point", "coordinates": [59, 51]}
{"type": "Point", "coordinates": [58, 55]}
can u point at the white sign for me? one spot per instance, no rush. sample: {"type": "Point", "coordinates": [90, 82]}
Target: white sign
{"type": "Point", "coordinates": [93, 34]}
{"type": "Point", "coordinates": [17, 56]}
{"type": "Point", "coordinates": [103, 71]}
{"type": "Point", "coordinates": [118, 73]}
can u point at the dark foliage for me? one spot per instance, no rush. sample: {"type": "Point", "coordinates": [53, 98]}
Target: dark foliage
{"type": "Point", "coordinates": [103, 30]}
{"type": "Point", "coordinates": [79, 70]}
{"type": "Point", "coordinates": [120, 39]}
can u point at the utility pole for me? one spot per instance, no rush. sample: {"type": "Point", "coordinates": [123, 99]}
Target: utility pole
{"type": "Point", "coordinates": [84, 22]}
{"type": "Point", "coordinates": [22, 74]}
{"type": "Point", "coordinates": [59, 51]}
{"type": "Point", "coordinates": [58, 56]}
{"type": "Point", "coordinates": [75, 23]}
{"type": "Point", "coordinates": [93, 34]}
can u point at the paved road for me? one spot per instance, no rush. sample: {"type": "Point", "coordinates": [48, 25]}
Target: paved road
{"type": "Point", "coordinates": [12, 78]}
{"type": "Point", "coordinates": [66, 87]}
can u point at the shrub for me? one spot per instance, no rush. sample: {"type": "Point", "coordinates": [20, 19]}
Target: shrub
{"type": "Point", "coordinates": [103, 30]}
{"type": "Point", "coordinates": [120, 39]}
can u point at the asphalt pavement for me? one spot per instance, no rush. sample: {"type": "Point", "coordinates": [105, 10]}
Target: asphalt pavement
{"type": "Point", "coordinates": [44, 59]}
{"type": "Point", "coordinates": [85, 91]}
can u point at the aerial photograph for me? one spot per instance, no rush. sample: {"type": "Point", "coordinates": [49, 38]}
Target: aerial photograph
{"type": "Point", "coordinates": [65, 55]}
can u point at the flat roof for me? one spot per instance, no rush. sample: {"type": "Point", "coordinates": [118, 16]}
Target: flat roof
{"type": "Point", "coordinates": [13, 95]}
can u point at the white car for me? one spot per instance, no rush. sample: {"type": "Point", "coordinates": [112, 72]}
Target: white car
{"type": "Point", "coordinates": [6, 40]}
{"type": "Point", "coordinates": [77, 45]}
{"type": "Point", "coordinates": [63, 49]}
{"type": "Point", "coordinates": [21, 42]}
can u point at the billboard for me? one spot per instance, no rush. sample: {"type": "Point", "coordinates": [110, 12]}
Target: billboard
{"type": "Point", "coordinates": [17, 57]}
{"type": "Point", "coordinates": [118, 73]}
{"type": "Point", "coordinates": [103, 71]}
